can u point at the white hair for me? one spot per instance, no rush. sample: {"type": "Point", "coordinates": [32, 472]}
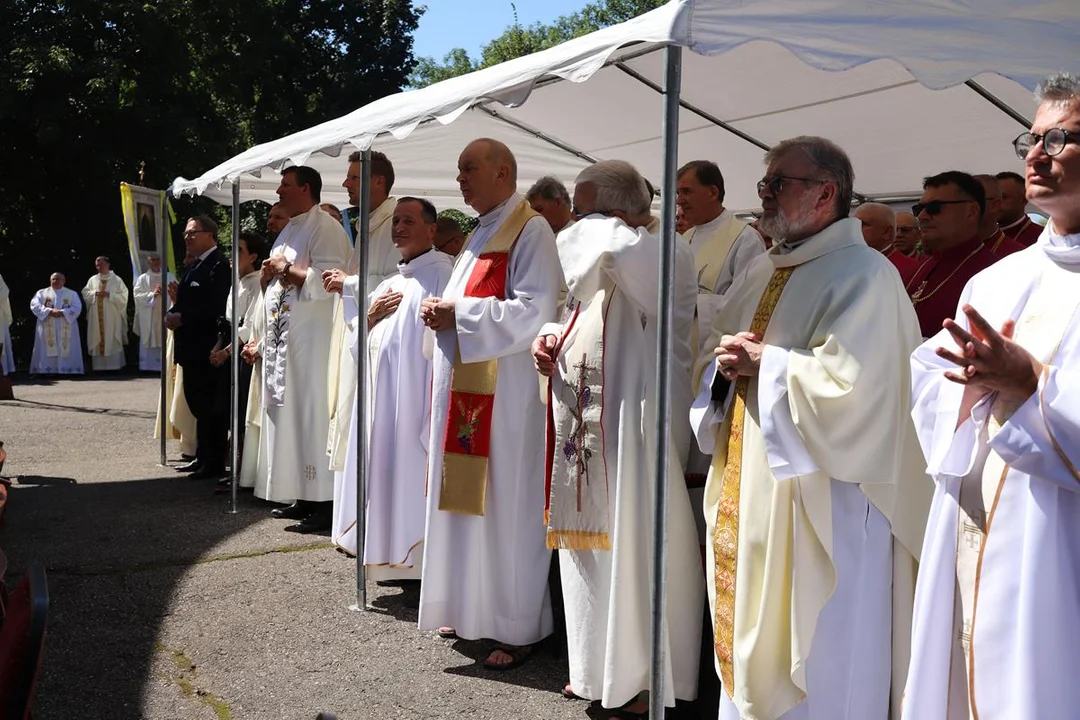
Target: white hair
{"type": "Point", "coordinates": [1060, 87]}
{"type": "Point", "coordinates": [619, 186]}
{"type": "Point", "coordinates": [882, 208]}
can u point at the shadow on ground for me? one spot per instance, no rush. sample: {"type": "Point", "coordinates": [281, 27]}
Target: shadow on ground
{"type": "Point", "coordinates": [114, 553]}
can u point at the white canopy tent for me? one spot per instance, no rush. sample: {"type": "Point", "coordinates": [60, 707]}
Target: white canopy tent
{"type": "Point", "coordinates": [907, 87]}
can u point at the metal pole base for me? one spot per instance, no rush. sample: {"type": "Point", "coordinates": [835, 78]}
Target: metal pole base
{"type": "Point", "coordinates": [356, 607]}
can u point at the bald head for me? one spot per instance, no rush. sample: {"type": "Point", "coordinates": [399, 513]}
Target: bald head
{"type": "Point", "coordinates": [487, 174]}
{"type": "Point", "coordinates": [878, 225]}
{"type": "Point", "coordinates": [988, 227]}
{"type": "Point", "coordinates": [57, 280]}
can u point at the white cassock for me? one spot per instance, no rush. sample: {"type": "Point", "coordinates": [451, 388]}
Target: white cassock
{"type": "Point", "coordinates": [1003, 526]}
{"type": "Point", "coordinates": [399, 417]}
{"type": "Point", "coordinates": [147, 322]}
{"type": "Point", "coordinates": [57, 348]}
{"type": "Point", "coordinates": [817, 498]}
{"type": "Point", "coordinates": [7, 356]}
{"type": "Point", "coordinates": [486, 576]}
{"type": "Point", "coordinates": [296, 356]}
{"type": "Point", "coordinates": [180, 423]}
{"type": "Point", "coordinates": [342, 377]}
{"type": "Point", "coordinates": [610, 271]}
{"type": "Point", "coordinates": [106, 321]}
{"type": "Point", "coordinates": [253, 464]}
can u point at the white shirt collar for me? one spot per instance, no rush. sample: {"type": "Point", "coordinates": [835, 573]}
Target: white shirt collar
{"type": "Point", "coordinates": [207, 253]}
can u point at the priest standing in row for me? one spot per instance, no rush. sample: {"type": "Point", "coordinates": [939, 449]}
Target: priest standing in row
{"type": "Point", "coordinates": [1013, 217]}
{"type": "Point", "coordinates": [398, 365]}
{"type": "Point", "coordinates": [148, 293]}
{"type": "Point", "coordinates": [997, 405]}
{"type": "Point", "coordinates": [299, 316]}
{"type": "Point", "coordinates": [816, 499]}
{"type": "Point", "coordinates": [601, 365]}
{"type": "Point", "coordinates": [57, 346]}
{"type": "Point", "coordinates": [989, 230]}
{"type": "Point", "coordinates": [485, 560]}
{"type": "Point", "coordinates": [106, 298]}
{"type": "Point", "coordinates": [879, 231]}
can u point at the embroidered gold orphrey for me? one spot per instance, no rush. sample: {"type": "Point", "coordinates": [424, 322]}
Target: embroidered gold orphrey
{"type": "Point", "coordinates": [726, 532]}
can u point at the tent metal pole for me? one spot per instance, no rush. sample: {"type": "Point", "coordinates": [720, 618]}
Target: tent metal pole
{"type": "Point", "coordinates": [666, 314]}
{"type": "Point", "coordinates": [163, 301]}
{"type": "Point", "coordinates": [998, 103]}
{"type": "Point", "coordinates": [360, 402]}
{"type": "Point", "coordinates": [234, 356]}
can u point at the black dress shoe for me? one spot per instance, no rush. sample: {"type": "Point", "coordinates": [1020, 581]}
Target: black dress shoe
{"type": "Point", "coordinates": [296, 511]}
{"type": "Point", "coordinates": [185, 456]}
{"type": "Point", "coordinates": [190, 467]}
{"type": "Point", "coordinates": [204, 474]}
{"type": "Point", "coordinates": [319, 522]}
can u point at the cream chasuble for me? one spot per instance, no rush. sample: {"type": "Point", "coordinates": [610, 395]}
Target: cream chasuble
{"type": "Point", "coordinates": [398, 432]}
{"type": "Point", "coordinates": [813, 452]}
{"type": "Point", "coordinates": [7, 357]}
{"type": "Point", "coordinates": [106, 321]}
{"type": "Point", "coordinates": [147, 321]}
{"type": "Point", "coordinates": [341, 382]}
{"type": "Point", "coordinates": [180, 423]}
{"type": "Point", "coordinates": [1002, 528]}
{"type": "Point", "coordinates": [486, 575]}
{"type": "Point", "coordinates": [296, 353]}
{"type": "Point", "coordinates": [603, 461]}
{"type": "Point", "coordinates": [57, 348]}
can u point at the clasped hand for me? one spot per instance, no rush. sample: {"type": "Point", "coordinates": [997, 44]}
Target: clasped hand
{"type": "Point", "coordinates": [437, 313]}
{"type": "Point", "coordinates": [990, 360]}
{"type": "Point", "coordinates": [543, 352]}
{"type": "Point", "coordinates": [334, 280]}
{"type": "Point", "coordinates": [738, 354]}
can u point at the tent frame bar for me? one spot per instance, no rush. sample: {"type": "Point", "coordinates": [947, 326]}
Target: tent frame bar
{"type": "Point", "coordinates": [998, 103]}
{"type": "Point", "coordinates": [538, 134]}
{"type": "Point", "coordinates": [360, 399]}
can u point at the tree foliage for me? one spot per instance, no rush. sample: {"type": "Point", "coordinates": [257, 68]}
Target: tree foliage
{"type": "Point", "coordinates": [91, 88]}
{"type": "Point", "coordinates": [517, 41]}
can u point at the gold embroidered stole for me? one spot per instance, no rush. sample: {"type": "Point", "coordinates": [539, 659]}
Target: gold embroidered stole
{"type": "Point", "coordinates": [101, 316]}
{"type": "Point", "coordinates": [726, 532]}
{"type": "Point", "coordinates": [577, 513]}
{"type": "Point", "coordinates": [467, 440]}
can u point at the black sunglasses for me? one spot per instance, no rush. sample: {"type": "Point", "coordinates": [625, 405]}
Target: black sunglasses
{"type": "Point", "coordinates": [934, 207]}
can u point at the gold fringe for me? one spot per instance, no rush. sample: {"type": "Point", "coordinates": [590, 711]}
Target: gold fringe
{"type": "Point", "coordinates": [577, 540]}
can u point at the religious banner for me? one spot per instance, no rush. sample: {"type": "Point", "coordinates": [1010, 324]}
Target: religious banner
{"type": "Point", "coordinates": [147, 217]}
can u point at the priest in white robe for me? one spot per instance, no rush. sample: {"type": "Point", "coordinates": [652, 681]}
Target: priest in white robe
{"type": "Point", "coordinates": [106, 299]}
{"type": "Point", "coordinates": [296, 351]}
{"type": "Point", "coordinates": [147, 292]}
{"type": "Point", "coordinates": [485, 560]}
{"type": "Point", "coordinates": [601, 457]}
{"type": "Point", "coordinates": [57, 347]}
{"type": "Point", "coordinates": [399, 410]}
{"type": "Point", "coordinates": [381, 251]}
{"type": "Point", "coordinates": [816, 499]}
{"type": "Point", "coordinates": [7, 355]}
{"type": "Point", "coordinates": [997, 407]}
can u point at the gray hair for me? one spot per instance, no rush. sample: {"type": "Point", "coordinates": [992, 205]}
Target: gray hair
{"type": "Point", "coordinates": [1060, 87]}
{"type": "Point", "coordinates": [619, 186]}
{"type": "Point", "coordinates": [549, 188]}
{"type": "Point", "coordinates": [832, 161]}
{"type": "Point", "coordinates": [881, 208]}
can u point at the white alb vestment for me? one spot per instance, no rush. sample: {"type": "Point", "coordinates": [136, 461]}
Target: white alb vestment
{"type": "Point", "coordinates": [399, 428]}
{"type": "Point", "coordinates": [7, 356]}
{"type": "Point", "coordinates": [610, 270]}
{"type": "Point", "coordinates": [342, 378]}
{"type": "Point", "coordinates": [1003, 526]}
{"type": "Point", "coordinates": [106, 321]}
{"type": "Point", "coordinates": [296, 352]}
{"type": "Point", "coordinates": [147, 322]}
{"type": "Point", "coordinates": [57, 347]}
{"type": "Point", "coordinates": [817, 618]}
{"type": "Point", "coordinates": [747, 246]}
{"type": "Point", "coordinates": [486, 576]}
{"type": "Point", "coordinates": [253, 464]}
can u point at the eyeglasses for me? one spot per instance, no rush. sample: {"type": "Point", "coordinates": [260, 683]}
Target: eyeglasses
{"type": "Point", "coordinates": [776, 183]}
{"type": "Point", "coordinates": [1053, 142]}
{"type": "Point", "coordinates": [188, 234]}
{"type": "Point", "coordinates": [934, 207]}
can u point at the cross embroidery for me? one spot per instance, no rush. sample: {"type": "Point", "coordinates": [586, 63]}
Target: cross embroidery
{"type": "Point", "coordinates": [973, 536]}
{"type": "Point", "coordinates": [309, 473]}
{"type": "Point", "coordinates": [575, 448]}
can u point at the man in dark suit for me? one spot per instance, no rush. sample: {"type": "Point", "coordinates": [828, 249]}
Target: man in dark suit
{"type": "Point", "coordinates": [200, 301]}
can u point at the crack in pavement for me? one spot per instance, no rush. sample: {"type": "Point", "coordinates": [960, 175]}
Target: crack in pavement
{"type": "Point", "coordinates": [184, 678]}
{"type": "Point", "coordinates": [166, 564]}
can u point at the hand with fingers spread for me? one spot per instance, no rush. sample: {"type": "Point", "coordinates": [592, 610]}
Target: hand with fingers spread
{"type": "Point", "coordinates": [738, 354]}
{"type": "Point", "coordinates": [989, 360]}
{"type": "Point", "coordinates": [543, 352]}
